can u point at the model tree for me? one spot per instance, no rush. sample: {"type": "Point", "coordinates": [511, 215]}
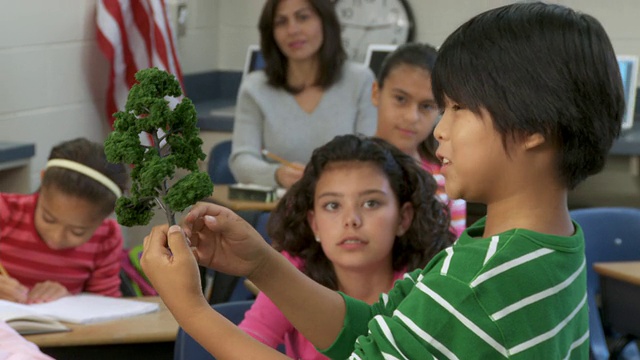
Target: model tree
{"type": "Point", "coordinates": [175, 144]}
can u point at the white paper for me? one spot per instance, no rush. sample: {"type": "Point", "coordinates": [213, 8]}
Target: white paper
{"type": "Point", "coordinates": [85, 308]}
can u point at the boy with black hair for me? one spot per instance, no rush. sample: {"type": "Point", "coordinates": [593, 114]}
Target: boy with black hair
{"type": "Point", "coordinates": [532, 100]}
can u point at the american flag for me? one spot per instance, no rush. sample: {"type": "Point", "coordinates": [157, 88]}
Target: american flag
{"type": "Point", "coordinates": [134, 35]}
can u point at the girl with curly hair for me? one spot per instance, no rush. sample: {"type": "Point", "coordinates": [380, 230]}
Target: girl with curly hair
{"type": "Point", "coordinates": [363, 214]}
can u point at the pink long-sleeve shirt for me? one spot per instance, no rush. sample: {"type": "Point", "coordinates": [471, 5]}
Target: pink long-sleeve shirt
{"type": "Point", "coordinates": [266, 323]}
{"type": "Point", "coordinates": [457, 207]}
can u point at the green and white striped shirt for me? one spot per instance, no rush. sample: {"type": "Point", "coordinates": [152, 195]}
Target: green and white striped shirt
{"type": "Point", "coordinates": [516, 295]}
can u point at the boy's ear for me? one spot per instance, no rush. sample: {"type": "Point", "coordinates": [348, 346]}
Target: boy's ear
{"type": "Point", "coordinates": [406, 218]}
{"type": "Point", "coordinates": [375, 92]}
{"type": "Point", "coordinates": [533, 141]}
{"type": "Point", "coordinates": [42, 174]}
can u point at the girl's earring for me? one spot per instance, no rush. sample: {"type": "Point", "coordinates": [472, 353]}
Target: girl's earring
{"type": "Point", "coordinates": [317, 239]}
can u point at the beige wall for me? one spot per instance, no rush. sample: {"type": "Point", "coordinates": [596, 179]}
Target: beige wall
{"type": "Point", "coordinates": [53, 77]}
{"type": "Point", "coordinates": [237, 23]}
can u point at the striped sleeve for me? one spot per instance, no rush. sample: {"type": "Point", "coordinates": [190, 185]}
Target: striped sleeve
{"type": "Point", "coordinates": [483, 298]}
{"type": "Point", "coordinates": [358, 315]}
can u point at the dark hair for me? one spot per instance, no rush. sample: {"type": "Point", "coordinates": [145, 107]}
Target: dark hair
{"type": "Point", "coordinates": [331, 54]}
{"type": "Point", "coordinates": [538, 68]}
{"type": "Point", "coordinates": [429, 231]}
{"type": "Point", "coordinates": [77, 184]}
{"type": "Point", "coordinates": [422, 56]}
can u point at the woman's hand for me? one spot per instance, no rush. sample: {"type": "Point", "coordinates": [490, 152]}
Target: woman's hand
{"type": "Point", "coordinates": [12, 290]}
{"type": "Point", "coordinates": [46, 291]}
{"type": "Point", "coordinates": [222, 240]}
{"type": "Point", "coordinates": [287, 175]}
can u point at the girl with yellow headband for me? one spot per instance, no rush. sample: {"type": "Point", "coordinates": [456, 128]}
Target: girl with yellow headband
{"type": "Point", "coordinates": [59, 240]}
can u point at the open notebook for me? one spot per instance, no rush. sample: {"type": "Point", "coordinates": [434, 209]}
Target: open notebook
{"type": "Point", "coordinates": [25, 322]}
{"type": "Point", "coordinates": [77, 309]}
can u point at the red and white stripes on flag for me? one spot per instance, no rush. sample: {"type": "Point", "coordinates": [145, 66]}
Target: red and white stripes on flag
{"type": "Point", "coordinates": [134, 35]}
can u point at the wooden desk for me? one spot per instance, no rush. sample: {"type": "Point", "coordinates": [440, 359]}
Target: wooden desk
{"type": "Point", "coordinates": [145, 336]}
{"type": "Point", "coordinates": [628, 271]}
{"type": "Point", "coordinates": [620, 291]}
{"type": "Point", "coordinates": [221, 196]}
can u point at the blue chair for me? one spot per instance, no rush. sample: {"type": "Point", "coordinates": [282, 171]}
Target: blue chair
{"type": "Point", "coordinates": [261, 225]}
{"type": "Point", "coordinates": [218, 166]}
{"type": "Point", "coordinates": [240, 292]}
{"type": "Point", "coordinates": [186, 348]}
{"type": "Point", "coordinates": [611, 234]}
{"type": "Point", "coordinates": [231, 288]}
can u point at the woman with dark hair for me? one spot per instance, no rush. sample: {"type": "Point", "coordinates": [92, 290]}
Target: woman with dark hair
{"type": "Point", "coordinates": [307, 94]}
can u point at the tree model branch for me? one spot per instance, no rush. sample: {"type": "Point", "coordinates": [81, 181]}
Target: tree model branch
{"type": "Point", "coordinates": [176, 144]}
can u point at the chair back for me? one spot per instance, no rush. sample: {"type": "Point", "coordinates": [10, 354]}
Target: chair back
{"type": "Point", "coordinates": [218, 166]}
{"type": "Point", "coordinates": [261, 225]}
{"type": "Point", "coordinates": [186, 348]}
{"type": "Point", "coordinates": [228, 288]}
{"type": "Point", "coordinates": [611, 234]}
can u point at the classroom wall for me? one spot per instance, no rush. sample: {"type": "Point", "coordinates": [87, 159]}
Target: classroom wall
{"type": "Point", "coordinates": [54, 78]}
{"type": "Point", "coordinates": [435, 19]}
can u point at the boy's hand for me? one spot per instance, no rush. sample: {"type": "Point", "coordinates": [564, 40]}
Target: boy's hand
{"type": "Point", "coordinates": [12, 290]}
{"type": "Point", "coordinates": [46, 291]}
{"type": "Point", "coordinates": [222, 240]}
{"type": "Point", "coordinates": [168, 262]}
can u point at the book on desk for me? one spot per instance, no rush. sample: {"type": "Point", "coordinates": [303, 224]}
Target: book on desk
{"type": "Point", "coordinates": [76, 309]}
{"type": "Point", "coordinates": [253, 192]}
{"type": "Point", "coordinates": [27, 323]}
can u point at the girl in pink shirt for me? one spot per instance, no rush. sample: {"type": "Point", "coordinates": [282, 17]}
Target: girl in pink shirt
{"type": "Point", "coordinates": [407, 114]}
{"type": "Point", "coordinates": [362, 215]}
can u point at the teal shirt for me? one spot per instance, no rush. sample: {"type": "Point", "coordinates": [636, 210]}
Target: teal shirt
{"type": "Point", "coordinates": [516, 295]}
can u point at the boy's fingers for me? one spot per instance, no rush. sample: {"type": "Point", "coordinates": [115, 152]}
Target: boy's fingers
{"type": "Point", "coordinates": [201, 209]}
{"type": "Point", "coordinates": [177, 241]}
{"type": "Point", "coordinates": [197, 211]}
{"type": "Point", "coordinates": [156, 240]}
{"type": "Point", "coordinates": [210, 222]}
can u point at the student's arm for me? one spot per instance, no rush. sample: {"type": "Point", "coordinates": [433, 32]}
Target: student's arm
{"type": "Point", "coordinates": [265, 322]}
{"type": "Point", "coordinates": [229, 244]}
{"type": "Point", "coordinates": [222, 240]}
{"type": "Point", "coordinates": [46, 291]}
{"type": "Point", "coordinates": [12, 290]}
{"type": "Point", "coordinates": [175, 275]}
{"type": "Point", "coordinates": [316, 311]}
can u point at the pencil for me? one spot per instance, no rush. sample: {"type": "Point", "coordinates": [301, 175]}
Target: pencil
{"type": "Point", "coordinates": [282, 161]}
{"type": "Point", "coordinates": [3, 270]}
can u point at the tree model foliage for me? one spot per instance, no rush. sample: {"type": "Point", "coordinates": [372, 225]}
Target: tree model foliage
{"type": "Point", "coordinates": [176, 144]}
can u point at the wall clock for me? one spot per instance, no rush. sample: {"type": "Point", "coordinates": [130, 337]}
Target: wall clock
{"type": "Point", "coordinates": [367, 22]}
